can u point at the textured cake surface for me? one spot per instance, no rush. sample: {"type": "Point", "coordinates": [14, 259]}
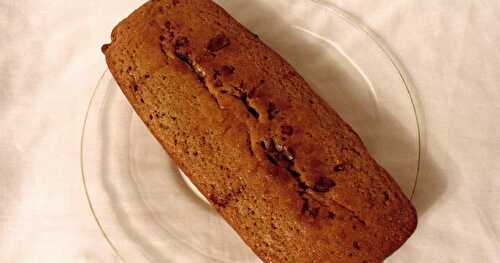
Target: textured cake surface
{"type": "Point", "coordinates": [282, 168]}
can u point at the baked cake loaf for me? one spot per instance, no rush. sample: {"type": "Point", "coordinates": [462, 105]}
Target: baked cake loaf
{"type": "Point", "coordinates": [282, 168]}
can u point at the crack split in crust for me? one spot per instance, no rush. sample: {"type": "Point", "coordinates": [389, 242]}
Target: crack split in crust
{"type": "Point", "coordinates": [275, 153]}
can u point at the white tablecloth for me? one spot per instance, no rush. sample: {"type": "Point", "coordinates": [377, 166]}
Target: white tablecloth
{"type": "Point", "coordinates": [50, 62]}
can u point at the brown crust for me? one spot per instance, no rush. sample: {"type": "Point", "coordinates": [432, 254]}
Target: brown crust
{"type": "Point", "coordinates": [283, 169]}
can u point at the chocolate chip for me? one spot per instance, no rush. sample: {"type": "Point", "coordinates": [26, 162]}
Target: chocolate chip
{"type": "Point", "coordinates": [217, 43]}
{"type": "Point", "coordinates": [324, 185]}
{"type": "Point", "coordinates": [332, 215]}
{"type": "Point", "coordinates": [181, 45]}
{"type": "Point", "coordinates": [272, 111]}
{"type": "Point", "coordinates": [226, 70]}
{"type": "Point", "coordinates": [181, 42]}
{"type": "Point", "coordinates": [356, 246]}
{"type": "Point", "coordinates": [386, 197]}
{"type": "Point", "coordinates": [221, 201]}
{"type": "Point", "coordinates": [287, 130]}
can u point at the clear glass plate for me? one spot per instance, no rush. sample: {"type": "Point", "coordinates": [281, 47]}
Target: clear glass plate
{"type": "Point", "coordinates": [149, 213]}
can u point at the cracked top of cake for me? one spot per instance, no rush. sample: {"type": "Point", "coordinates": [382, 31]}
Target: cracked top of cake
{"type": "Point", "coordinates": [279, 164]}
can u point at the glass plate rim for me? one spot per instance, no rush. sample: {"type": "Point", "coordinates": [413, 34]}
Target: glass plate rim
{"type": "Point", "coordinates": [348, 18]}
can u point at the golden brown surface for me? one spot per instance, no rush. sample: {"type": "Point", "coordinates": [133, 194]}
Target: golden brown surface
{"type": "Point", "coordinates": [284, 170]}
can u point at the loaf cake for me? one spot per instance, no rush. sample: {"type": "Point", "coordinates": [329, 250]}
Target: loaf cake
{"type": "Point", "coordinates": [278, 163]}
